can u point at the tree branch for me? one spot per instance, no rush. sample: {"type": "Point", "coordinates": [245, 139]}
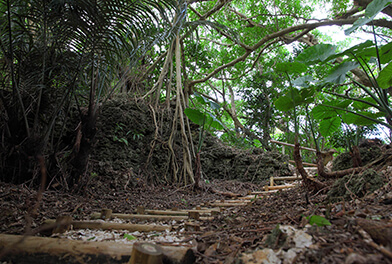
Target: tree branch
{"type": "Point", "coordinates": [273, 36]}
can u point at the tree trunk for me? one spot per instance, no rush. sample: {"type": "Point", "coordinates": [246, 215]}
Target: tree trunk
{"type": "Point", "coordinates": [299, 165]}
{"type": "Point", "coordinates": [311, 184]}
{"type": "Point", "coordinates": [82, 149]}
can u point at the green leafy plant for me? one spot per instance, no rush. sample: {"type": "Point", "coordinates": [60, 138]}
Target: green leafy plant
{"type": "Point", "coordinates": [130, 237]}
{"type": "Point", "coordinates": [119, 134]}
{"type": "Point", "coordinates": [318, 220]}
{"type": "Point", "coordinates": [294, 97]}
{"type": "Point", "coordinates": [371, 11]}
{"type": "Point", "coordinates": [184, 201]}
{"type": "Point", "coordinates": [207, 121]}
{"type": "Point", "coordinates": [363, 109]}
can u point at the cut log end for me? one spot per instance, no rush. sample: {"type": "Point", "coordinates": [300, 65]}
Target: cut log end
{"type": "Point", "coordinates": [146, 253]}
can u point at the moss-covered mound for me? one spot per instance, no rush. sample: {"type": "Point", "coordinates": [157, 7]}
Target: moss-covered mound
{"type": "Point", "coordinates": [128, 148]}
{"type": "Point", "coordinates": [353, 186]}
{"type": "Point", "coordinates": [368, 154]}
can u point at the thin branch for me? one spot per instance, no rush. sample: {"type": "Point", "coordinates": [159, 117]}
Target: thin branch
{"type": "Point", "coordinates": [273, 36]}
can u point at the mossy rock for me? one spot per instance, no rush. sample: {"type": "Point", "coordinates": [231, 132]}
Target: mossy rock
{"type": "Point", "coordinates": [358, 185]}
{"type": "Point", "coordinates": [125, 134]}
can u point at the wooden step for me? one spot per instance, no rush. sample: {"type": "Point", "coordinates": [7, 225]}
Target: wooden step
{"type": "Point", "coordinates": [19, 249]}
{"type": "Point", "coordinates": [112, 226]}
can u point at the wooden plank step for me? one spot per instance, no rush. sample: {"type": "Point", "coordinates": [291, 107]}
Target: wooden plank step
{"type": "Point", "coordinates": [148, 217]}
{"type": "Point", "coordinates": [287, 178]}
{"type": "Point", "coordinates": [112, 226]}
{"type": "Point", "coordinates": [180, 211]}
{"type": "Point", "coordinates": [252, 194]}
{"type": "Point", "coordinates": [305, 163]}
{"type": "Point", "coordinates": [220, 204]}
{"type": "Point", "coordinates": [279, 187]}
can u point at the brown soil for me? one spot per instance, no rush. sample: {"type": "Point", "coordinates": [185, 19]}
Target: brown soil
{"type": "Point", "coordinates": [233, 232]}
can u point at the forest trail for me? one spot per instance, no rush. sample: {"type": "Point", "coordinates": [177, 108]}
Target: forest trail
{"type": "Point", "coordinates": [266, 226]}
{"type": "Point", "coordinates": [172, 240]}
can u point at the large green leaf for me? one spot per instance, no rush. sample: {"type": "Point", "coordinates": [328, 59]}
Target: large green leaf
{"type": "Point", "coordinates": [196, 116]}
{"type": "Point", "coordinates": [284, 103]}
{"type": "Point", "coordinates": [363, 105]}
{"type": "Point", "coordinates": [338, 73]}
{"type": "Point", "coordinates": [205, 101]}
{"type": "Point", "coordinates": [316, 54]}
{"type": "Point", "coordinates": [330, 109]}
{"type": "Point", "coordinates": [321, 112]}
{"type": "Point", "coordinates": [212, 121]}
{"type": "Point", "coordinates": [371, 11]}
{"type": "Point", "coordinates": [386, 53]}
{"type": "Point", "coordinates": [291, 67]}
{"type": "Point", "coordinates": [351, 118]}
{"type": "Point", "coordinates": [203, 119]}
{"type": "Point", "coordinates": [384, 79]}
{"type": "Point", "coordinates": [329, 126]}
{"type": "Point", "coordinates": [306, 95]}
{"type": "Point", "coordinates": [294, 97]}
{"type": "Point", "coordinates": [357, 49]}
{"type": "Point", "coordinates": [303, 81]}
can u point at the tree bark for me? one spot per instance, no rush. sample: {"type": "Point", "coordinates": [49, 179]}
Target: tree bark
{"type": "Point", "coordinates": [82, 149]}
{"type": "Point", "coordinates": [19, 249]}
{"type": "Point", "coordinates": [311, 184]}
{"type": "Point", "coordinates": [335, 174]}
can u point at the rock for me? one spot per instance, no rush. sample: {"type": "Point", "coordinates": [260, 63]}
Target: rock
{"type": "Point", "coordinates": [123, 151]}
{"type": "Point", "coordinates": [262, 256]}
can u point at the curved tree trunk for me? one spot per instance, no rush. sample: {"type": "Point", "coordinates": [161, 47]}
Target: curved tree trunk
{"type": "Point", "coordinates": [310, 184]}
{"type": "Point", "coordinates": [82, 149]}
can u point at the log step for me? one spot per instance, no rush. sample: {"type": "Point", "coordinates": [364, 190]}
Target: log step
{"type": "Point", "coordinates": [279, 187]}
{"type": "Point", "coordinates": [149, 217]}
{"type": "Point", "coordinates": [112, 226]}
{"type": "Point", "coordinates": [19, 249]}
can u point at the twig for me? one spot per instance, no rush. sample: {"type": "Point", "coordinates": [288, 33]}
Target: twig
{"type": "Point", "coordinates": [353, 196]}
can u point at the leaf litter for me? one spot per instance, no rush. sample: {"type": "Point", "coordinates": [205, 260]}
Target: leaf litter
{"type": "Point", "coordinates": [272, 229]}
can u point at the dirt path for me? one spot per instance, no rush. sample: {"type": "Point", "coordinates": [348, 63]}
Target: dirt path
{"type": "Point", "coordinates": [239, 232]}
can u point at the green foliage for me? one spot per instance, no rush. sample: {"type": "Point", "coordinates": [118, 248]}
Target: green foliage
{"type": "Point", "coordinates": [58, 54]}
{"type": "Point", "coordinates": [338, 73]}
{"type": "Point", "coordinates": [351, 109]}
{"type": "Point", "coordinates": [329, 126]}
{"type": "Point", "coordinates": [257, 102]}
{"type": "Point", "coordinates": [318, 220]}
{"type": "Point", "coordinates": [294, 98]}
{"type": "Point", "coordinates": [291, 67]}
{"type": "Point", "coordinates": [130, 237]}
{"type": "Point", "coordinates": [375, 7]}
{"type": "Point", "coordinates": [206, 120]}
{"type": "Point", "coordinates": [120, 135]}
{"type": "Point", "coordinates": [317, 53]}
{"type": "Point", "coordinates": [384, 79]}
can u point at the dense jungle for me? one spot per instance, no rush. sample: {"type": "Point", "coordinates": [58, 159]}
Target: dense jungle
{"type": "Point", "coordinates": [195, 131]}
